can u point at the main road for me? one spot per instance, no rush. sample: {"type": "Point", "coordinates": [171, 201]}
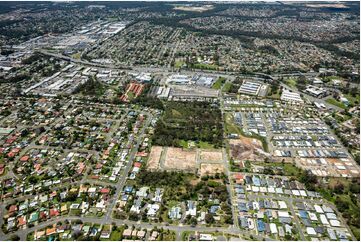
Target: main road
{"type": "Point", "coordinates": [227, 74]}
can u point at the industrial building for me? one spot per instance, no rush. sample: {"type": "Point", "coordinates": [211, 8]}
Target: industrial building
{"type": "Point", "coordinates": [289, 96]}
{"type": "Point", "coordinates": [253, 88]}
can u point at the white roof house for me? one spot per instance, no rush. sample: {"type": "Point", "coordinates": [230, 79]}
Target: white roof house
{"type": "Point", "coordinates": [143, 192]}
{"type": "Point", "coordinates": [296, 192]}
{"type": "Point", "coordinates": [283, 214]}
{"type": "Point", "coordinates": [313, 216]}
{"type": "Point", "coordinates": [271, 190]}
{"type": "Point", "coordinates": [152, 209]}
{"type": "Point", "coordinates": [324, 220]}
{"type": "Point", "coordinates": [331, 216]}
{"type": "Point", "coordinates": [282, 204]}
{"type": "Point", "coordinates": [205, 237]}
{"type": "Point", "coordinates": [192, 208]}
{"type": "Point", "coordinates": [318, 208]}
{"type": "Point", "coordinates": [335, 223]}
{"type": "Point", "coordinates": [273, 228]}
{"type": "Point", "coordinates": [311, 231]}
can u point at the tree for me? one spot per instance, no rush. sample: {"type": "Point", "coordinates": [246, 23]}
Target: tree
{"type": "Point", "coordinates": [209, 218]}
{"type": "Point", "coordinates": [339, 188]}
{"type": "Point", "coordinates": [133, 216]}
{"type": "Point", "coordinates": [309, 179]}
{"type": "Point", "coordinates": [341, 205]}
{"type": "Point", "coordinates": [193, 221]}
{"type": "Point", "coordinates": [33, 179]}
{"type": "Point", "coordinates": [14, 237]}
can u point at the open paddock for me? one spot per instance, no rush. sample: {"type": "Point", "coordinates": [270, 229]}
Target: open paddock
{"type": "Point", "coordinates": [210, 169]}
{"type": "Point", "coordinates": [154, 157]}
{"type": "Point", "coordinates": [246, 148]}
{"type": "Point", "coordinates": [211, 155]}
{"type": "Point", "coordinates": [179, 159]}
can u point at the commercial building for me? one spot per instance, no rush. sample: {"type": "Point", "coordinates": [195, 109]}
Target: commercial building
{"type": "Point", "coordinates": [290, 96]}
{"type": "Point", "coordinates": [316, 91]}
{"type": "Point", "coordinates": [178, 79]}
{"type": "Point", "coordinates": [250, 88]}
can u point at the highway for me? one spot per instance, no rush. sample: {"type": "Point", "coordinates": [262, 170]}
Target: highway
{"type": "Point", "coordinates": [227, 74]}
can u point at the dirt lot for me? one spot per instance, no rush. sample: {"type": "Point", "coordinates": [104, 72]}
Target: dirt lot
{"type": "Point", "coordinates": [211, 155]}
{"type": "Point", "coordinates": [179, 159]}
{"type": "Point", "coordinates": [211, 169]}
{"type": "Point", "coordinates": [154, 156]}
{"type": "Point", "coordinates": [246, 149]}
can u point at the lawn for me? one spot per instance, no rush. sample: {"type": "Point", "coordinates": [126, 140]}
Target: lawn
{"type": "Point", "coordinates": [218, 84]}
{"type": "Point", "coordinates": [352, 99]}
{"type": "Point", "coordinates": [185, 235]}
{"type": "Point", "coordinates": [288, 168]}
{"type": "Point", "coordinates": [205, 145]}
{"type": "Point", "coordinates": [276, 95]}
{"type": "Point", "coordinates": [335, 78]}
{"type": "Point", "coordinates": [168, 235]}
{"type": "Point", "coordinates": [178, 64]}
{"type": "Point", "coordinates": [75, 212]}
{"type": "Point", "coordinates": [115, 235]}
{"type": "Point", "coordinates": [342, 118]}
{"type": "Point", "coordinates": [336, 103]}
{"type": "Point", "coordinates": [201, 144]}
{"type": "Point", "coordinates": [183, 144]}
{"type": "Point", "coordinates": [131, 95]}
{"type": "Point", "coordinates": [231, 127]}
{"type": "Point", "coordinates": [227, 86]}
{"type": "Point", "coordinates": [76, 56]}
{"type": "Point", "coordinates": [205, 66]}
{"type": "Point", "coordinates": [355, 231]}
{"type": "Point", "coordinates": [291, 82]}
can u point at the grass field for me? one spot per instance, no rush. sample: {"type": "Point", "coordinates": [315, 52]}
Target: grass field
{"type": "Point", "coordinates": [226, 87]}
{"type": "Point", "coordinates": [230, 126]}
{"type": "Point", "coordinates": [288, 169]}
{"type": "Point", "coordinates": [201, 144]}
{"type": "Point", "coordinates": [179, 64]}
{"type": "Point", "coordinates": [218, 84]}
{"type": "Point", "coordinates": [205, 66]}
{"type": "Point", "coordinates": [76, 56]}
{"type": "Point", "coordinates": [352, 99]}
{"type": "Point", "coordinates": [336, 103]}
{"type": "Point", "coordinates": [291, 82]}
{"type": "Point", "coordinates": [205, 145]}
{"type": "Point", "coordinates": [276, 95]}
{"type": "Point", "coordinates": [115, 235]}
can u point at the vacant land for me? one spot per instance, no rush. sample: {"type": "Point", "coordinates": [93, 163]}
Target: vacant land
{"type": "Point", "coordinates": [210, 169]}
{"type": "Point", "coordinates": [211, 155]}
{"type": "Point", "coordinates": [246, 149]}
{"type": "Point", "coordinates": [154, 156]}
{"type": "Point", "coordinates": [179, 159]}
{"type": "Point", "coordinates": [196, 121]}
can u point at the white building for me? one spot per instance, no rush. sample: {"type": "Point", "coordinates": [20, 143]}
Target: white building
{"type": "Point", "coordinates": [289, 96]}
